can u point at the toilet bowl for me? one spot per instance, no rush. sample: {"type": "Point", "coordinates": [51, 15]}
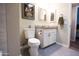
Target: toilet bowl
{"type": "Point", "coordinates": [32, 42]}
{"type": "Point", "coordinates": [34, 45]}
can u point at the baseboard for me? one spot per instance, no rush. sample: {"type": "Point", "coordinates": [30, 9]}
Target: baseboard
{"type": "Point", "coordinates": [0, 53]}
{"type": "Point", "coordinates": [20, 55]}
{"type": "Point", "coordinates": [73, 40]}
{"type": "Point", "coordinates": [4, 54]}
{"type": "Point", "coordinates": [62, 44]}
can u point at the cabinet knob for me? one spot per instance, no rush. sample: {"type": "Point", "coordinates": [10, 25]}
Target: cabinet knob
{"type": "Point", "coordinates": [40, 32]}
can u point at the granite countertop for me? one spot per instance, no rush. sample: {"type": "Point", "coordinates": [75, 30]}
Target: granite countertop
{"type": "Point", "coordinates": [47, 27]}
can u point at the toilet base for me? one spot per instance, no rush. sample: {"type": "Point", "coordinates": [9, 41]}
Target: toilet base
{"type": "Point", "coordinates": [34, 51]}
{"type": "Point", "coordinates": [25, 50]}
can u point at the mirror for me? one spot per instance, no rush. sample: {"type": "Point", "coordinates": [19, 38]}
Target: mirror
{"type": "Point", "coordinates": [42, 14]}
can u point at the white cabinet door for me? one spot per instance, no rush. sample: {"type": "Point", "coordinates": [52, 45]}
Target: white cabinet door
{"type": "Point", "coordinates": [52, 37]}
{"type": "Point", "coordinates": [49, 37]}
{"type": "Point", "coordinates": [46, 38]}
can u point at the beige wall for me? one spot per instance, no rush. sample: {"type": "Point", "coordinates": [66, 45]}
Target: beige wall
{"type": "Point", "coordinates": [64, 33]}
{"type": "Point", "coordinates": [12, 14]}
{"type": "Point", "coordinates": [73, 24]}
{"type": "Point", "coordinates": [23, 23]}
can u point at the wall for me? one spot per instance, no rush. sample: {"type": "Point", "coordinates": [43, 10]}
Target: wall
{"type": "Point", "coordinates": [24, 22]}
{"type": "Point", "coordinates": [64, 33]}
{"type": "Point", "coordinates": [73, 24]}
{"type": "Point", "coordinates": [3, 33]}
{"type": "Point", "coordinates": [13, 37]}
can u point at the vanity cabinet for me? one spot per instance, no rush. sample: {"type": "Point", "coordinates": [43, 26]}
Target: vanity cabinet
{"type": "Point", "coordinates": [47, 36]}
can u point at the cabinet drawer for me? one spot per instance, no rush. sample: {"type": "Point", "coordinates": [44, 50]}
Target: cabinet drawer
{"type": "Point", "coordinates": [45, 39]}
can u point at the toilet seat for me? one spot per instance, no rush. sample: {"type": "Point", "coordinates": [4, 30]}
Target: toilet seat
{"type": "Point", "coordinates": [33, 42]}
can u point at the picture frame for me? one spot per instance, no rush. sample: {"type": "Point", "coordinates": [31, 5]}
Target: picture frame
{"type": "Point", "coordinates": [28, 11]}
{"type": "Point", "coordinates": [52, 17]}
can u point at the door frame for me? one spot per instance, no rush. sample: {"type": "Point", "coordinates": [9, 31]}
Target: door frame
{"type": "Point", "coordinates": [76, 21]}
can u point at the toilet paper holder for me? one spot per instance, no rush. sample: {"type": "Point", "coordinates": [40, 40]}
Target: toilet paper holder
{"type": "Point", "coordinates": [40, 32]}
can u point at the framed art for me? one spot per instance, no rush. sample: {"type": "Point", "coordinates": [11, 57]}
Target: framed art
{"type": "Point", "coordinates": [52, 17]}
{"type": "Point", "coordinates": [28, 11]}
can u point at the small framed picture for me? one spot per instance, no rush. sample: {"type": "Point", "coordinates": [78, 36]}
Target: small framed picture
{"type": "Point", "coordinates": [52, 17]}
{"type": "Point", "coordinates": [28, 11]}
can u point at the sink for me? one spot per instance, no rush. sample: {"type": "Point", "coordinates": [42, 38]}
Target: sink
{"type": "Point", "coordinates": [51, 26]}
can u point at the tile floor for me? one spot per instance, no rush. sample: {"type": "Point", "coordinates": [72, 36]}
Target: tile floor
{"type": "Point", "coordinates": [57, 50]}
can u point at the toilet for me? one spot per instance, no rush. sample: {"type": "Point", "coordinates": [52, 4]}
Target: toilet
{"type": "Point", "coordinates": [32, 42]}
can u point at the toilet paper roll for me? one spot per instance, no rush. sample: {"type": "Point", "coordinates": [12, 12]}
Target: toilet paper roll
{"type": "Point", "coordinates": [39, 33]}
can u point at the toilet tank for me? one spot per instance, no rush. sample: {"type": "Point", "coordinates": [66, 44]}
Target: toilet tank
{"type": "Point", "coordinates": [29, 33]}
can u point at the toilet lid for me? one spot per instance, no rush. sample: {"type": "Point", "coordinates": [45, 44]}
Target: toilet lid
{"type": "Point", "coordinates": [34, 40]}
